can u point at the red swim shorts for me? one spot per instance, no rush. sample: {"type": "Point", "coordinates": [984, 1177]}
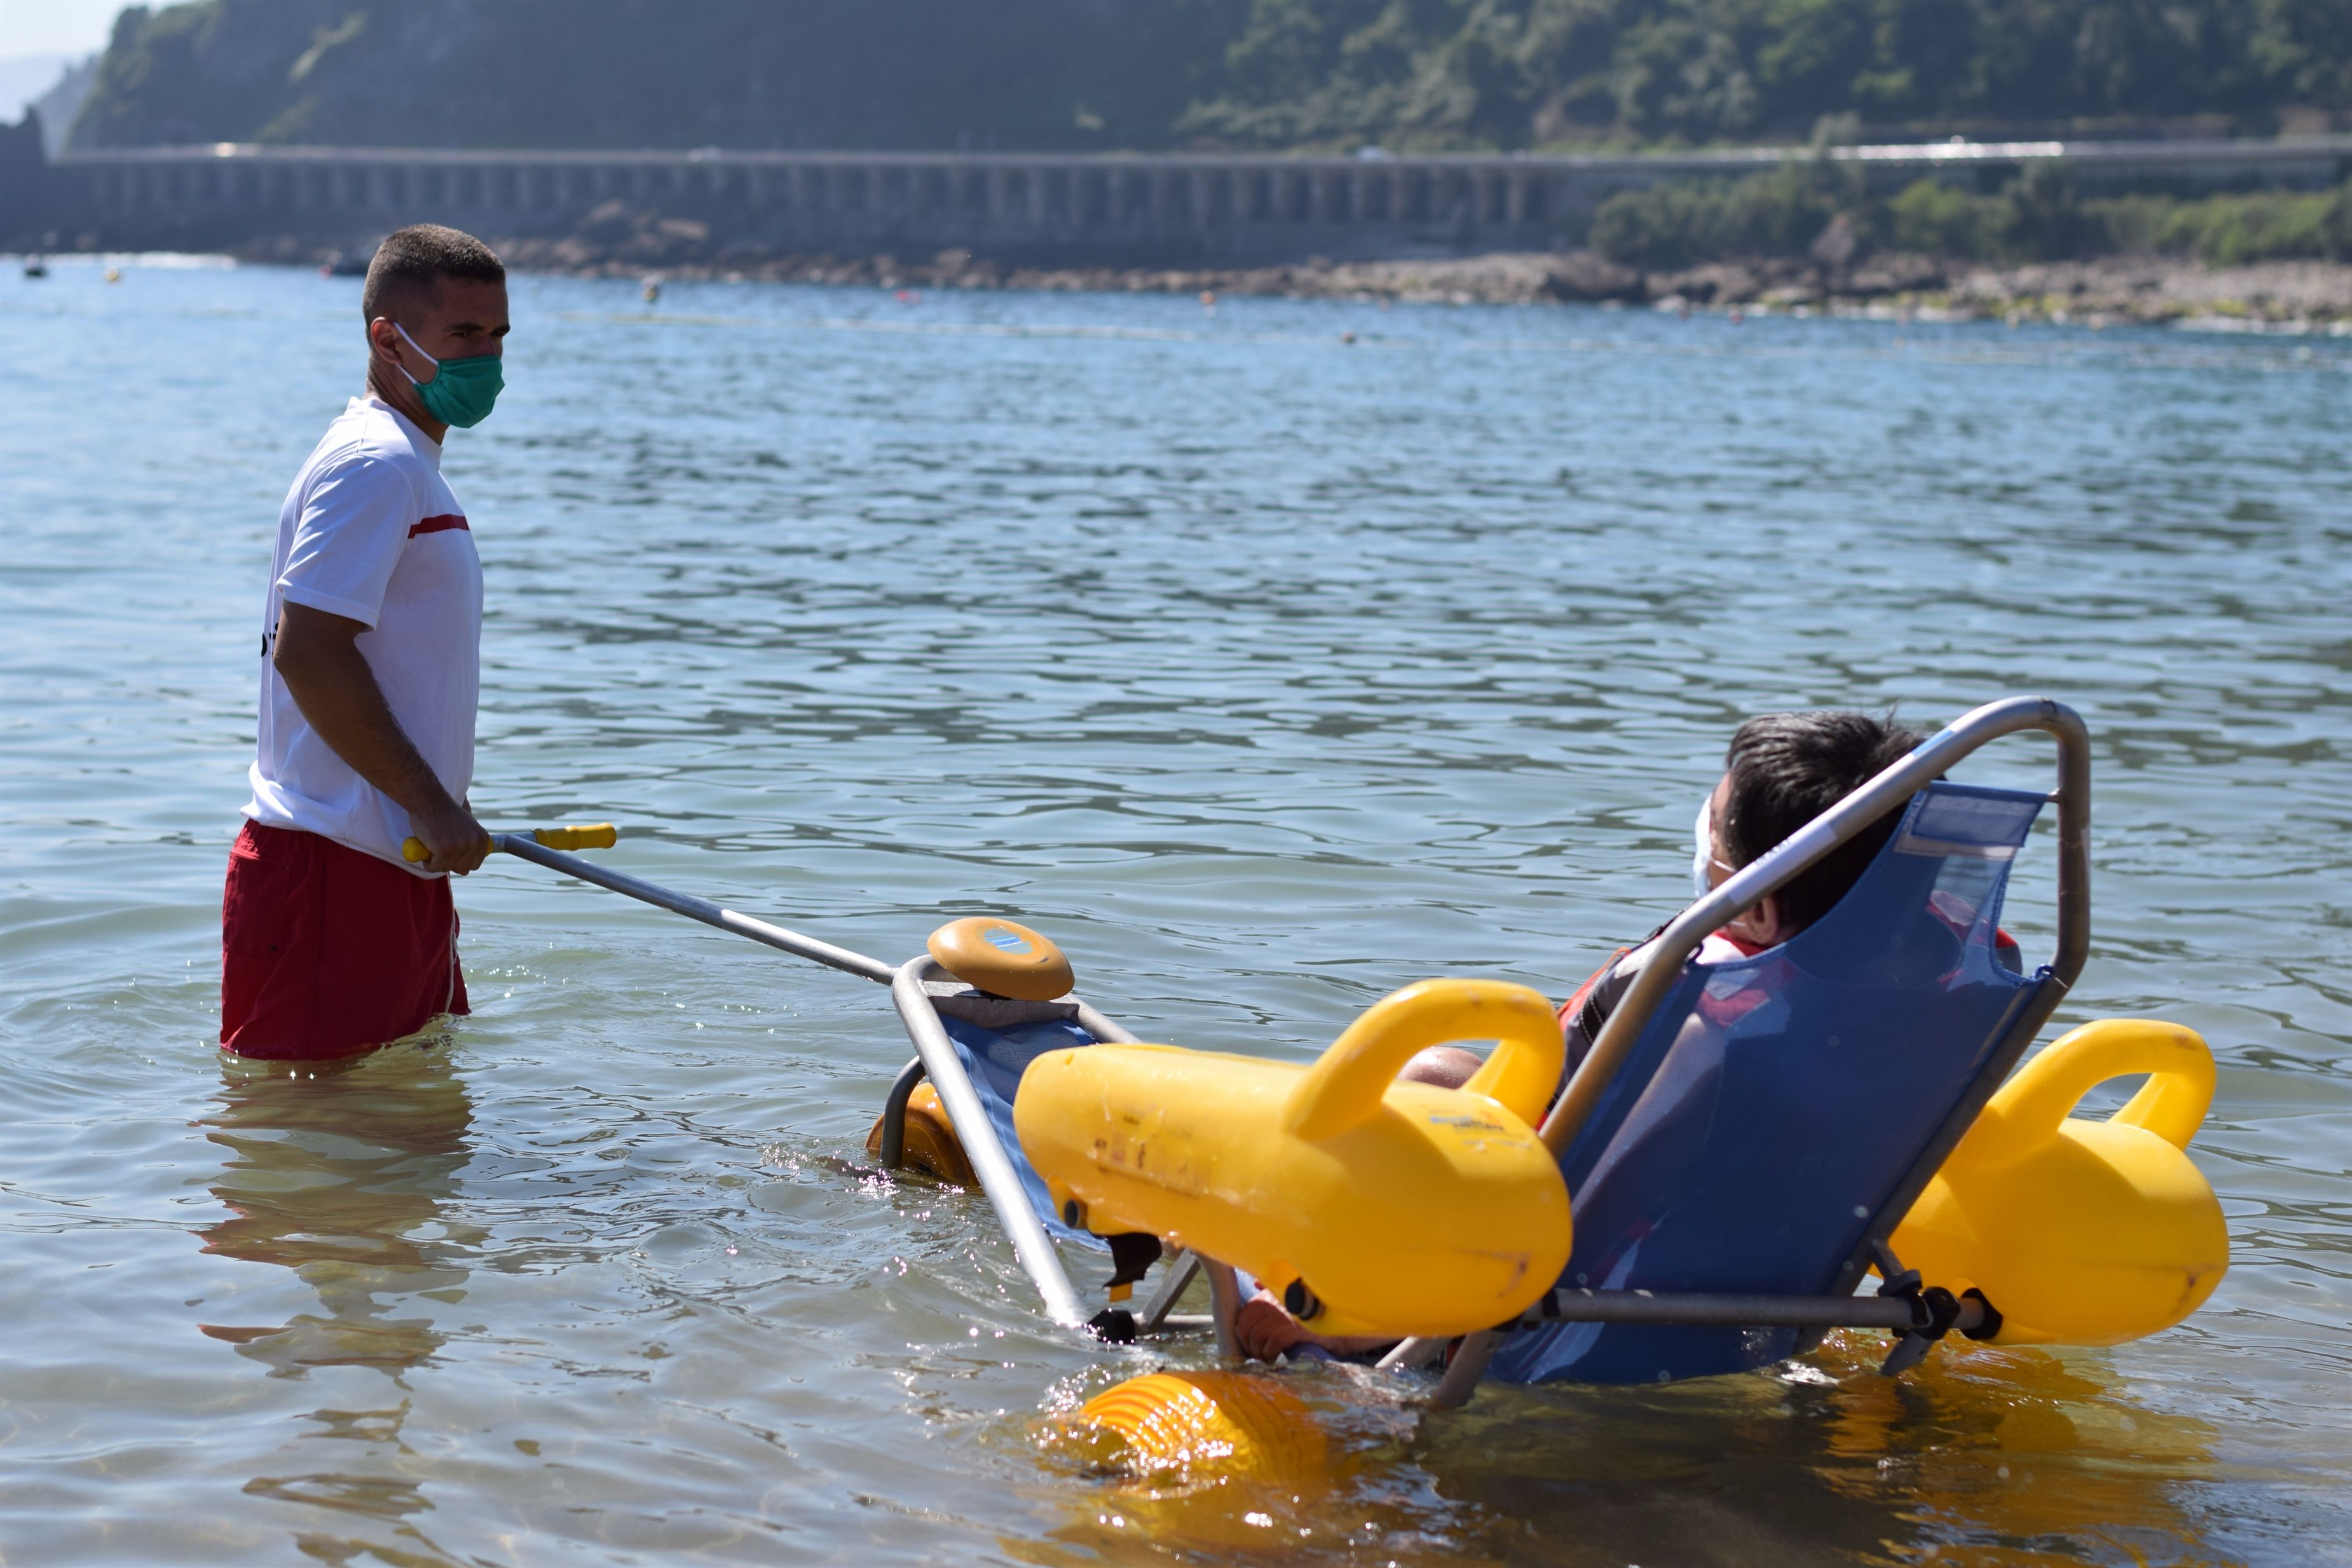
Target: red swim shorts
{"type": "Point", "coordinates": [329, 951]}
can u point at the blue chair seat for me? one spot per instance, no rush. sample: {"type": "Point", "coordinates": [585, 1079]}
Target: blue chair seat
{"type": "Point", "coordinates": [1774, 1104]}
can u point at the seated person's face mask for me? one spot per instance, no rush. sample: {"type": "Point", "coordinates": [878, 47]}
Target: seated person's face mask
{"type": "Point", "coordinates": [1702, 840]}
{"type": "Point", "coordinates": [1703, 849]}
{"type": "Point", "coordinates": [462, 392]}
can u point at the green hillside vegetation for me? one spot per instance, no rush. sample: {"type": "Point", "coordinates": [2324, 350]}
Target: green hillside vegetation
{"type": "Point", "coordinates": [2037, 217]}
{"type": "Point", "coordinates": [1260, 74]}
{"type": "Point", "coordinates": [1520, 73]}
{"type": "Point", "coordinates": [1045, 75]}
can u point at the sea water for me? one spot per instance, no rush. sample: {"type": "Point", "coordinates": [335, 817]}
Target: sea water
{"type": "Point", "coordinates": [1269, 658]}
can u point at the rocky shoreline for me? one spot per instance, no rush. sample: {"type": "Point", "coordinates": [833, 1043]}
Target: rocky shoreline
{"type": "Point", "coordinates": [2108, 292]}
{"type": "Point", "coordinates": [2284, 295]}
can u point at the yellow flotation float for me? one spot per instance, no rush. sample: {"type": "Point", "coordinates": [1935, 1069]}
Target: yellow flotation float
{"type": "Point", "coordinates": [1374, 1207]}
{"type": "Point", "coordinates": [2076, 1231]}
{"type": "Point", "coordinates": [1229, 1423]}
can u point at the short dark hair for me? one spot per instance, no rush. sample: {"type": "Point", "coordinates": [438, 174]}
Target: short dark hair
{"type": "Point", "coordinates": [1788, 769]}
{"type": "Point", "coordinates": [410, 263]}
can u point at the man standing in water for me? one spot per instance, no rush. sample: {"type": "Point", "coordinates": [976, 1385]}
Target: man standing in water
{"type": "Point", "coordinates": [371, 667]}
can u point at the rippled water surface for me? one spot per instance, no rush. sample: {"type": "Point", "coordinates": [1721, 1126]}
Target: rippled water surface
{"type": "Point", "coordinates": [1268, 671]}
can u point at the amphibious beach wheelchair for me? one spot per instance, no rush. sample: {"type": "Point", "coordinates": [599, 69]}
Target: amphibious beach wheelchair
{"type": "Point", "coordinates": [1746, 1143]}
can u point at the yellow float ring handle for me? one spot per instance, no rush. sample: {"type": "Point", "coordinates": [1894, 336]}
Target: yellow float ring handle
{"type": "Point", "coordinates": [1345, 1086]}
{"type": "Point", "coordinates": [2171, 1105]}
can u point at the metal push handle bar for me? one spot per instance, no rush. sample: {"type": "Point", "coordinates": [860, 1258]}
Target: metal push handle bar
{"type": "Point", "coordinates": [701, 909]}
{"type": "Point", "coordinates": [1750, 885]}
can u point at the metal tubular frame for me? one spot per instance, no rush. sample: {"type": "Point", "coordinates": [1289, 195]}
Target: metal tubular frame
{"type": "Point", "coordinates": [1224, 1305]}
{"type": "Point", "coordinates": [1751, 885]}
{"type": "Point", "coordinates": [1030, 1246]}
{"type": "Point", "coordinates": [1729, 1310]}
{"type": "Point", "coordinates": [894, 1113]}
{"type": "Point", "coordinates": [1180, 1272]}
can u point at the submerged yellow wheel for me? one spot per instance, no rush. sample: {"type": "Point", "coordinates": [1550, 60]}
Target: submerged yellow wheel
{"type": "Point", "coordinates": [1237, 1425]}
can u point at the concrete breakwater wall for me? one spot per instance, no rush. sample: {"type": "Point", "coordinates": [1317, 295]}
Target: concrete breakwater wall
{"type": "Point", "coordinates": [1021, 210]}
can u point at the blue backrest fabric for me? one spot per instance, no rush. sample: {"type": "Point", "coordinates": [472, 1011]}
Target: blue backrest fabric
{"type": "Point", "coordinates": [1774, 1102]}
{"type": "Point", "coordinates": [994, 1059]}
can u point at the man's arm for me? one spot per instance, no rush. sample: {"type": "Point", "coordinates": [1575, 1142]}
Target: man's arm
{"type": "Point", "coordinates": [337, 693]}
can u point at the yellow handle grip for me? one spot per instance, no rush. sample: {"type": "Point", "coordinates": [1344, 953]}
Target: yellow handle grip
{"type": "Point", "coordinates": [1345, 1086]}
{"type": "Point", "coordinates": [2171, 1103]}
{"type": "Point", "coordinates": [579, 836]}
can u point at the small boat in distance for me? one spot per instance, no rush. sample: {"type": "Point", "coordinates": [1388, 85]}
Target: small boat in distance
{"type": "Point", "coordinates": [35, 267]}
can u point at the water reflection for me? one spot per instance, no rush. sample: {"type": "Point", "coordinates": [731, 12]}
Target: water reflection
{"type": "Point", "coordinates": [342, 1172]}
{"type": "Point", "coordinates": [1981, 1454]}
{"type": "Point", "coordinates": [2014, 1457]}
{"type": "Point", "coordinates": [1986, 1455]}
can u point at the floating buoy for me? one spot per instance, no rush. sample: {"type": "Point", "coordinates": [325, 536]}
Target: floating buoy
{"type": "Point", "coordinates": [931, 1146]}
{"type": "Point", "coordinates": [114, 274]}
{"type": "Point", "coordinates": [1227, 1423]}
{"type": "Point", "coordinates": [2081, 1232]}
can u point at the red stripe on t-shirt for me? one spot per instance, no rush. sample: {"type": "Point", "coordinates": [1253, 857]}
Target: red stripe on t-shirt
{"type": "Point", "coordinates": [447, 521]}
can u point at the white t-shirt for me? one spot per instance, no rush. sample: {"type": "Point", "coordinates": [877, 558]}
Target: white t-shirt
{"type": "Point", "coordinates": [371, 532]}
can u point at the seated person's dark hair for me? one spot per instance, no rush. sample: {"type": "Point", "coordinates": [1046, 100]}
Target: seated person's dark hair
{"type": "Point", "coordinates": [1786, 769]}
{"type": "Point", "coordinates": [410, 263]}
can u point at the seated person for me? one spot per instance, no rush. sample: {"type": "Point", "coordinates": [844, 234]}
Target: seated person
{"type": "Point", "coordinates": [1783, 769]}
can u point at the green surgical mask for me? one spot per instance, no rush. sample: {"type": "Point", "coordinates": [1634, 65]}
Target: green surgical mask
{"type": "Point", "coordinates": [462, 392]}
